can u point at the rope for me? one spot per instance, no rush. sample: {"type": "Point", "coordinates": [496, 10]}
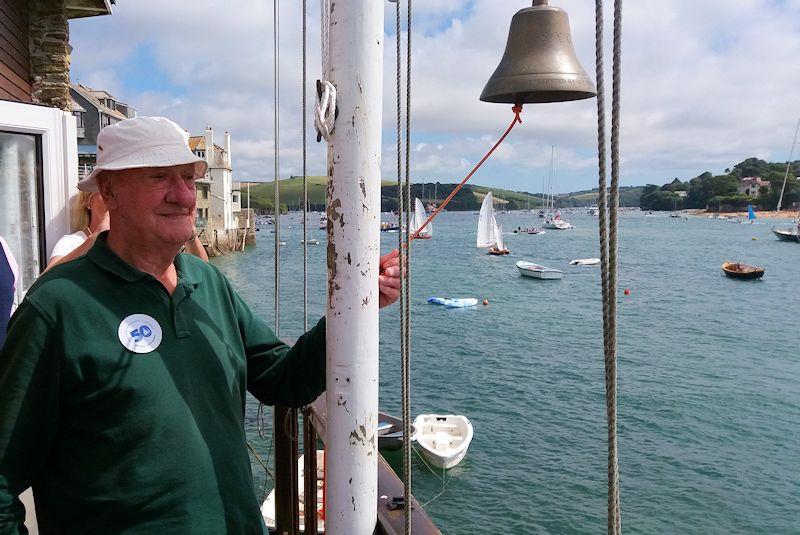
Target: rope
{"type": "Point", "coordinates": [325, 13]}
{"type": "Point", "coordinates": [607, 222]}
{"type": "Point", "coordinates": [305, 171]}
{"type": "Point", "coordinates": [406, 394]}
{"type": "Point", "coordinates": [276, 52]}
{"type": "Point", "coordinates": [325, 111]}
{"type": "Point", "coordinates": [404, 207]}
{"type": "Point", "coordinates": [517, 109]}
{"type": "Point", "coordinates": [443, 478]}
{"type": "Point", "coordinates": [258, 458]}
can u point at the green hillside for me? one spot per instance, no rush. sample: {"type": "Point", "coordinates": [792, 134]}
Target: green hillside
{"type": "Point", "coordinates": [469, 198]}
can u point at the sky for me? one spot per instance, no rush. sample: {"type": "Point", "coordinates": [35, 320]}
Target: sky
{"type": "Point", "coordinates": [705, 85]}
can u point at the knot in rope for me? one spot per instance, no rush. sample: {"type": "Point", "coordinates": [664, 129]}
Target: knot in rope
{"type": "Point", "coordinates": [517, 109]}
{"type": "Point", "coordinates": [325, 111]}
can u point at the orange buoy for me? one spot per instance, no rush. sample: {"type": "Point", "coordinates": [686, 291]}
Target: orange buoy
{"type": "Point", "coordinates": [627, 291]}
{"type": "Point", "coordinates": [485, 301]}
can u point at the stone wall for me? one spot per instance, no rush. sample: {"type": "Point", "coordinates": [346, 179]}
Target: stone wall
{"type": "Point", "coordinates": [50, 53]}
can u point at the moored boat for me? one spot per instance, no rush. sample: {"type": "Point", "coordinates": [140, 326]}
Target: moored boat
{"type": "Point", "coordinates": [443, 438]}
{"type": "Point", "coordinates": [536, 271]}
{"type": "Point", "coordinates": [390, 432]}
{"type": "Point", "coordinates": [737, 270]}
{"type": "Point", "coordinates": [268, 506]}
{"type": "Point", "coordinates": [454, 302]}
{"type": "Point", "coordinates": [585, 262]}
{"type": "Point", "coordinates": [786, 235]}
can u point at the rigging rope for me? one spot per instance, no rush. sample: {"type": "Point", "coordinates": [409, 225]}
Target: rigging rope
{"type": "Point", "coordinates": [607, 222]}
{"type": "Point", "coordinates": [305, 173]}
{"type": "Point", "coordinates": [406, 394]}
{"type": "Point", "coordinates": [403, 207]}
{"type": "Point", "coordinates": [277, 206]}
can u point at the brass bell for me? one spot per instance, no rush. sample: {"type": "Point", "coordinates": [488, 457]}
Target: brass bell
{"type": "Point", "coordinates": [539, 63]}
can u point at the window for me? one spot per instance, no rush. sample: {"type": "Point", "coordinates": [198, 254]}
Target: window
{"type": "Point", "coordinates": [21, 203]}
{"type": "Point", "coordinates": [236, 197]}
{"type": "Point", "coordinates": [38, 172]}
{"type": "Point", "coordinates": [78, 118]}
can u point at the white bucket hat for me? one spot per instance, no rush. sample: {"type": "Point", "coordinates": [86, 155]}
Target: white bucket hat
{"type": "Point", "coordinates": [142, 142]}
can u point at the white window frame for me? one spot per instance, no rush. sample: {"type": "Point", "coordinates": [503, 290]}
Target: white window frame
{"type": "Point", "coordinates": [59, 135]}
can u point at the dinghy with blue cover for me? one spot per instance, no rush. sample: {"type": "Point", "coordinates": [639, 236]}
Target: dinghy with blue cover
{"type": "Point", "coordinates": [449, 302]}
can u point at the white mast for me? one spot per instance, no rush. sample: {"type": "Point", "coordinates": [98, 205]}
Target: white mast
{"type": "Point", "coordinates": [356, 70]}
{"type": "Point", "coordinates": [788, 166]}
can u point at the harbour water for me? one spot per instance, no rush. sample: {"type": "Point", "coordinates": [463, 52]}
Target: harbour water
{"type": "Point", "coordinates": [709, 402]}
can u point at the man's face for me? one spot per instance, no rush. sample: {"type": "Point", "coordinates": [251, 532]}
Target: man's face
{"type": "Point", "coordinates": [152, 204]}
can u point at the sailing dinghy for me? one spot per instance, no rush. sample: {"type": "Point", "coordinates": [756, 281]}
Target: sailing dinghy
{"type": "Point", "coordinates": [419, 217]}
{"type": "Point", "coordinates": [443, 438]}
{"type": "Point", "coordinates": [490, 234]}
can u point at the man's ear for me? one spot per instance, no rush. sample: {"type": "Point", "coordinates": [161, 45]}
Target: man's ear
{"type": "Point", "coordinates": [104, 184]}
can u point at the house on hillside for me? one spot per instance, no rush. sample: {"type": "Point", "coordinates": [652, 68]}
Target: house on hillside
{"type": "Point", "coordinates": [93, 111]}
{"type": "Point", "coordinates": [751, 185]}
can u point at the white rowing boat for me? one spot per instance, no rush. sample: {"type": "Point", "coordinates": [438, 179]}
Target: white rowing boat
{"type": "Point", "coordinates": [443, 438]}
{"type": "Point", "coordinates": [585, 262]}
{"type": "Point", "coordinates": [536, 271]}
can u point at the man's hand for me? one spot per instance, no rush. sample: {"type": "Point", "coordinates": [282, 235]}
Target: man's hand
{"type": "Point", "coordinates": [389, 279]}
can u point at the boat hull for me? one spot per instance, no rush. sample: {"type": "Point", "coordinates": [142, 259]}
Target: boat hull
{"type": "Point", "coordinates": [391, 438]}
{"type": "Point", "coordinates": [786, 235]}
{"type": "Point", "coordinates": [444, 463]}
{"type": "Point", "coordinates": [443, 438]}
{"type": "Point", "coordinates": [535, 271]}
{"type": "Point", "coordinates": [742, 271]}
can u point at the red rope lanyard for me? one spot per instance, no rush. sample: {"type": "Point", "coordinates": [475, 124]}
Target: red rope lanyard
{"type": "Point", "coordinates": [517, 109]}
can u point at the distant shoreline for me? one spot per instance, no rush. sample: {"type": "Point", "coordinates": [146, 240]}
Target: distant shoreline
{"type": "Point", "coordinates": [760, 214]}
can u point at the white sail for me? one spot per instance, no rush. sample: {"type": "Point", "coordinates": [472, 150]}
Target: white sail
{"type": "Point", "coordinates": [486, 223]}
{"type": "Point", "coordinates": [420, 217]}
{"type": "Point", "coordinates": [499, 237]}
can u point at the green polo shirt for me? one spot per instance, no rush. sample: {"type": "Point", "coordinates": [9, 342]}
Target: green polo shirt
{"type": "Point", "coordinates": [119, 431]}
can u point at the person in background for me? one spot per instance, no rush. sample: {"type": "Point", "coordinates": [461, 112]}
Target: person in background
{"type": "Point", "coordinates": [8, 286]}
{"type": "Point", "coordinates": [124, 373]}
{"type": "Point", "coordinates": [90, 218]}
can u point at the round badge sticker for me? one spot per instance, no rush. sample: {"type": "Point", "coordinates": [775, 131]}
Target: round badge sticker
{"type": "Point", "coordinates": [140, 333]}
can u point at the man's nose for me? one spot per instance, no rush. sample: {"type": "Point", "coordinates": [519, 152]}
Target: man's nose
{"type": "Point", "coordinates": [181, 192]}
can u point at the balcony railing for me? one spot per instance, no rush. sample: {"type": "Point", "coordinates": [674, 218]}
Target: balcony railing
{"type": "Point", "coordinates": [390, 521]}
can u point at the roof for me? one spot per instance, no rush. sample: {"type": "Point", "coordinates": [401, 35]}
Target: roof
{"type": "Point", "coordinates": [76, 107]}
{"type": "Point", "coordinates": [89, 94]}
{"type": "Point", "coordinates": [754, 179]}
{"type": "Point", "coordinates": [102, 94]}
{"type": "Point", "coordinates": [199, 143]}
{"type": "Point", "coordinates": [76, 9]}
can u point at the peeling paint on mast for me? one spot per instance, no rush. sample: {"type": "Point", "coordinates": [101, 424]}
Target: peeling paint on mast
{"type": "Point", "coordinates": [356, 69]}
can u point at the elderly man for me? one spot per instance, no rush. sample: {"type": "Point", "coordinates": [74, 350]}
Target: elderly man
{"type": "Point", "coordinates": [123, 377]}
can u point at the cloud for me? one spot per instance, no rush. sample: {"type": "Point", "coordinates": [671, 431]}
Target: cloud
{"type": "Point", "coordinates": [704, 85]}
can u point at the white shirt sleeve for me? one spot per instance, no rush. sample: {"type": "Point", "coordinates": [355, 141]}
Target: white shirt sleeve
{"type": "Point", "coordinates": [68, 243]}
